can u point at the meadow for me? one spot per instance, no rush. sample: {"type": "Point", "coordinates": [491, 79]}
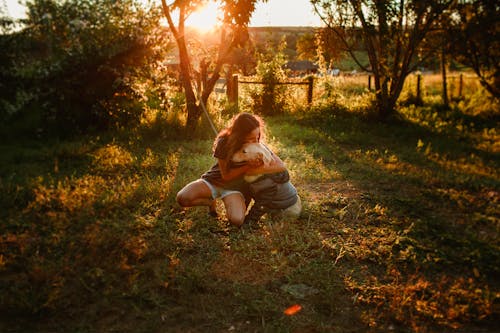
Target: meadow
{"type": "Point", "coordinates": [399, 231]}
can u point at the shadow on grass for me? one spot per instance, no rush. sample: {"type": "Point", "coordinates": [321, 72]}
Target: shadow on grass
{"type": "Point", "coordinates": [96, 242]}
{"type": "Point", "coordinates": [413, 218]}
{"type": "Point", "coordinates": [385, 163]}
{"type": "Point", "coordinates": [93, 232]}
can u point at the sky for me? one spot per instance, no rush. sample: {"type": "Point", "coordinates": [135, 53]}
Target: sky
{"type": "Point", "coordinates": [285, 13]}
{"type": "Point", "coordinates": [13, 8]}
{"type": "Point", "coordinates": [272, 13]}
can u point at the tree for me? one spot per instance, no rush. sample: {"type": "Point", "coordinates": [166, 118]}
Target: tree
{"type": "Point", "coordinates": [309, 44]}
{"type": "Point", "coordinates": [392, 32]}
{"type": "Point", "coordinates": [72, 55]}
{"type": "Point", "coordinates": [233, 33]}
{"type": "Point", "coordinates": [475, 40]}
{"type": "Point", "coordinates": [306, 47]}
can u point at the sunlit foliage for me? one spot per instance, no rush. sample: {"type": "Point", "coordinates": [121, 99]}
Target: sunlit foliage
{"type": "Point", "coordinates": [391, 32]}
{"type": "Point", "coordinates": [270, 97]}
{"type": "Point", "coordinates": [233, 35]}
{"type": "Point", "coordinates": [72, 58]}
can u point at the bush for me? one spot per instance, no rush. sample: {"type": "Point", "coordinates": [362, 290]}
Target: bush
{"type": "Point", "coordinates": [72, 63]}
{"type": "Point", "coordinates": [270, 97]}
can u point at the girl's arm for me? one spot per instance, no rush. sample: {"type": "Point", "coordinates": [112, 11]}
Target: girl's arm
{"type": "Point", "coordinates": [229, 174]}
{"type": "Point", "coordinates": [276, 165]}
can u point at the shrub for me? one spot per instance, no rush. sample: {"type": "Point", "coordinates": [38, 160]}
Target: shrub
{"type": "Point", "coordinates": [72, 63]}
{"type": "Point", "coordinates": [270, 97]}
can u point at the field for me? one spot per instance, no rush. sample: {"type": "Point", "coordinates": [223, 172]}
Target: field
{"type": "Point", "coordinates": [399, 231]}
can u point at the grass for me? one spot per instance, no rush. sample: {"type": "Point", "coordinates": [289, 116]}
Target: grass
{"type": "Point", "coordinates": [399, 231]}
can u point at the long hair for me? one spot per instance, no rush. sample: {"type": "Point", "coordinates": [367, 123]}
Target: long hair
{"type": "Point", "coordinates": [241, 125]}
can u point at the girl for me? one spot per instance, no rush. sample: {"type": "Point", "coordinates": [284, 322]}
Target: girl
{"type": "Point", "coordinates": [225, 179]}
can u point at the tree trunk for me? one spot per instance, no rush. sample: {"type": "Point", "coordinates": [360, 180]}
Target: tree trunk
{"type": "Point", "coordinates": [385, 106]}
{"type": "Point", "coordinates": [192, 107]}
{"type": "Point", "coordinates": [193, 115]}
{"type": "Point", "coordinates": [384, 100]}
{"type": "Point", "coordinates": [196, 100]}
{"type": "Point", "coordinates": [443, 74]}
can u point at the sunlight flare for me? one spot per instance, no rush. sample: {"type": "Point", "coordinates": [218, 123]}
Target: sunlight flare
{"type": "Point", "coordinates": [205, 18]}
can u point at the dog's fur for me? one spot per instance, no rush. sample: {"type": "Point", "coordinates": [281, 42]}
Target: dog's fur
{"type": "Point", "coordinates": [253, 151]}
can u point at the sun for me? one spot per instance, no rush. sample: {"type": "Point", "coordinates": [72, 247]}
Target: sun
{"type": "Point", "coordinates": [206, 18]}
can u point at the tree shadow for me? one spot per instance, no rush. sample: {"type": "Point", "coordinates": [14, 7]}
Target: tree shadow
{"type": "Point", "coordinates": [90, 227]}
{"type": "Point", "coordinates": [412, 213]}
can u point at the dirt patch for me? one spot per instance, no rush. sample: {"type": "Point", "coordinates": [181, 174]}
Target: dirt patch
{"type": "Point", "coordinates": [234, 267]}
{"type": "Point", "coordinates": [319, 191]}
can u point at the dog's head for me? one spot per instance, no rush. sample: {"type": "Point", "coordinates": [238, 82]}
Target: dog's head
{"type": "Point", "coordinates": [253, 151]}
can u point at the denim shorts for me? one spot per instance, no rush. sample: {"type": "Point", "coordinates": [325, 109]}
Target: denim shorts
{"type": "Point", "coordinates": [219, 192]}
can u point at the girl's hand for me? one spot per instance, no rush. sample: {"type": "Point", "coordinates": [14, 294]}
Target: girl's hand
{"type": "Point", "coordinates": [255, 163]}
{"type": "Point", "coordinates": [276, 165]}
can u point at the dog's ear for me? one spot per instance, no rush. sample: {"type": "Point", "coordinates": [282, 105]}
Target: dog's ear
{"type": "Point", "coordinates": [266, 156]}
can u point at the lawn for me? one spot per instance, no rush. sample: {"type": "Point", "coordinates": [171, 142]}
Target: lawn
{"type": "Point", "coordinates": [399, 232]}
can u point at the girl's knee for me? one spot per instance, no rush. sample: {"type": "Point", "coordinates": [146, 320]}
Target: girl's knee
{"type": "Point", "coordinates": [183, 199]}
{"type": "Point", "coordinates": [236, 219]}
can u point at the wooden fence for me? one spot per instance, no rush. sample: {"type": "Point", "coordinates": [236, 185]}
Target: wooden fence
{"type": "Point", "coordinates": [418, 86]}
{"type": "Point", "coordinates": [232, 87]}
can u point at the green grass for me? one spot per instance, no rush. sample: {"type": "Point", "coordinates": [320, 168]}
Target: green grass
{"type": "Point", "coordinates": [348, 64]}
{"type": "Point", "coordinates": [399, 231]}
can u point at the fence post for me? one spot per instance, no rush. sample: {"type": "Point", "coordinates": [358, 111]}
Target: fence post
{"type": "Point", "coordinates": [444, 70]}
{"type": "Point", "coordinates": [460, 85]}
{"type": "Point", "coordinates": [234, 90]}
{"type": "Point", "coordinates": [369, 82]}
{"type": "Point", "coordinates": [419, 90]}
{"type": "Point", "coordinates": [310, 86]}
{"type": "Point", "coordinates": [228, 77]}
{"type": "Point", "coordinates": [204, 74]}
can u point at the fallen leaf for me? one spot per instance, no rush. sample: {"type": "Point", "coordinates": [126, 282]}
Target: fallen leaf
{"type": "Point", "coordinates": [293, 310]}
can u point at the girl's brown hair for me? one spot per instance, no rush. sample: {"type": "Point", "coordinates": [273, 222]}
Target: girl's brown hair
{"type": "Point", "coordinates": [241, 125]}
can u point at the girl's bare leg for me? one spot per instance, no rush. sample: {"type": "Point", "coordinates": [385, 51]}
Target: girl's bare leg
{"type": "Point", "coordinates": [196, 193]}
{"type": "Point", "coordinates": [235, 208]}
